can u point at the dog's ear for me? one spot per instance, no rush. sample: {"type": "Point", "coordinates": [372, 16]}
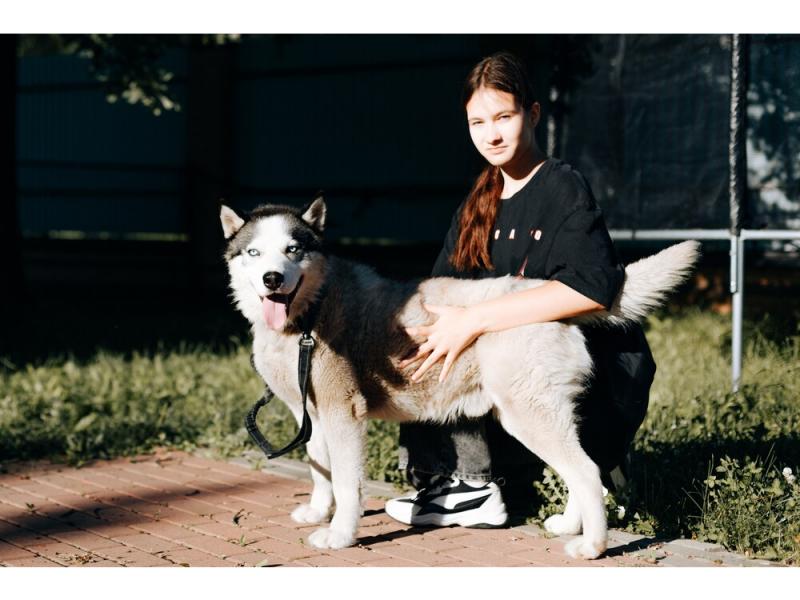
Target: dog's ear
{"type": "Point", "coordinates": [231, 222]}
{"type": "Point", "coordinates": [314, 215]}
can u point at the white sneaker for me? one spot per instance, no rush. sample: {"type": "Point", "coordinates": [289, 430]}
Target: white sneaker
{"type": "Point", "coordinates": [451, 501]}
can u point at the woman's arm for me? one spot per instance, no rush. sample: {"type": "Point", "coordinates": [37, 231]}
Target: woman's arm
{"type": "Point", "coordinates": [457, 327]}
{"type": "Point", "coordinates": [552, 301]}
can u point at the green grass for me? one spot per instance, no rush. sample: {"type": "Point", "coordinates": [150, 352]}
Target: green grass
{"type": "Point", "coordinates": [707, 463]}
{"type": "Point", "coordinates": [112, 405]}
{"type": "Point", "coordinates": [697, 430]}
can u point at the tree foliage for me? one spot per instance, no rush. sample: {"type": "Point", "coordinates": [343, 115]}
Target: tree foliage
{"type": "Point", "coordinates": [129, 66]}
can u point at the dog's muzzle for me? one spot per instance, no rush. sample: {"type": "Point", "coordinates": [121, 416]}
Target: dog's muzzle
{"type": "Point", "coordinates": [276, 306]}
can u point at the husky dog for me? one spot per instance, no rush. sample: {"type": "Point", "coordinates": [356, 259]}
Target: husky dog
{"type": "Point", "coordinates": [527, 376]}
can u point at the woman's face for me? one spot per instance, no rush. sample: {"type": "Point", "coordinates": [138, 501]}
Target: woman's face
{"type": "Point", "coordinates": [499, 127]}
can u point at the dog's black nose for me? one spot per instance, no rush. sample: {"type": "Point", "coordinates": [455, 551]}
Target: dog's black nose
{"type": "Point", "coordinates": [273, 280]}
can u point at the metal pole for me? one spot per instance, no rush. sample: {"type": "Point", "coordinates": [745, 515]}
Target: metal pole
{"type": "Point", "coordinates": [770, 234]}
{"type": "Point", "coordinates": [737, 289]}
{"type": "Point", "coordinates": [670, 234]}
{"type": "Point", "coordinates": [737, 187]}
{"type": "Point", "coordinates": [702, 234]}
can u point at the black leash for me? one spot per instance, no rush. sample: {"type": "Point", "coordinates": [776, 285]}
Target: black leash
{"type": "Point", "coordinates": [307, 345]}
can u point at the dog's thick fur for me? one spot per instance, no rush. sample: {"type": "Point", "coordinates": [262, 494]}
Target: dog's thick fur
{"type": "Point", "coordinates": [527, 376]}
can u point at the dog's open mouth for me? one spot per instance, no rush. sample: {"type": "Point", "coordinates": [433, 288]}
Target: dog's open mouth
{"type": "Point", "coordinates": [276, 307]}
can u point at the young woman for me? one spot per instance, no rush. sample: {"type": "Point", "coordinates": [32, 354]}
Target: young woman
{"type": "Point", "coordinates": [536, 217]}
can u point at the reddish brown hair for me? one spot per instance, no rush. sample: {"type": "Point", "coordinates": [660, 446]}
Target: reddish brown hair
{"type": "Point", "coordinates": [505, 72]}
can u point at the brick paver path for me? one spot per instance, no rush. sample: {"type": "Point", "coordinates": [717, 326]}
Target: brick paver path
{"type": "Point", "coordinates": [177, 509]}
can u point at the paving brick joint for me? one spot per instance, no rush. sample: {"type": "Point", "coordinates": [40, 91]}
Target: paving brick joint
{"type": "Point", "coordinates": [174, 509]}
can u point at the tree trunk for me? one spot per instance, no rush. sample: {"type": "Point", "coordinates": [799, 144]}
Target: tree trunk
{"type": "Point", "coordinates": [209, 158]}
{"type": "Point", "coordinates": [13, 282]}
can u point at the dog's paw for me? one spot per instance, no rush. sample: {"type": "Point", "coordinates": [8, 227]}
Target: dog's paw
{"type": "Point", "coordinates": [560, 525]}
{"type": "Point", "coordinates": [305, 513]}
{"type": "Point", "coordinates": [581, 547]}
{"type": "Point", "coordinates": [331, 538]}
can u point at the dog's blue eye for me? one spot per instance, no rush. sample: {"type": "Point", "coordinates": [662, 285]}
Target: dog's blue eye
{"type": "Point", "coordinates": [293, 249]}
{"type": "Point", "coordinates": [253, 252]}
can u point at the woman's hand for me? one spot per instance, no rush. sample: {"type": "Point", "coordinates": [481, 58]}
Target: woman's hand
{"type": "Point", "coordinates": [455, 329]}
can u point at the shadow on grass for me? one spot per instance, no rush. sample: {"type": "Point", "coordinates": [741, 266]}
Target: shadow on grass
{"type": "Point", "coordinates": [669, 476]}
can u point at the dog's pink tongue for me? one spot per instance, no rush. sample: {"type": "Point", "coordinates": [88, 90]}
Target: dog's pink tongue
{"type": "Point", "coordinates": [274, 313]}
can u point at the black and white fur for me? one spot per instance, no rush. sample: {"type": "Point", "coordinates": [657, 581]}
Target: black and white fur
{"type": "Point", "coordinates": [528, 376]}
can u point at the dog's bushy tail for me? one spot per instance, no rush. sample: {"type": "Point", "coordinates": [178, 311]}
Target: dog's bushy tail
{"type": "Point", "coordinates": [647, 284]}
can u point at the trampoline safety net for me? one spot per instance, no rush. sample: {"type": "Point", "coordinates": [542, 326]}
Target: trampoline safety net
{"type": "Point", "coordinates": [648, 124]}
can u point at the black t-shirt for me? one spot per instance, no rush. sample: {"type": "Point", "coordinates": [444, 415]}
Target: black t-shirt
{"type": "Point", "coordinates": [552, 228]}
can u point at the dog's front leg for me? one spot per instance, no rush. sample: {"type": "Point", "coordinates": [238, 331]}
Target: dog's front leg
{"type": "Point", "coordinates": [345, 440]}
{"type": "Point", "coordinates": [318, 508]}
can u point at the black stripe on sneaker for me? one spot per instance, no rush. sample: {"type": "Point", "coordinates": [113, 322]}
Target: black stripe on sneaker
{"type": "Point", "coordinates": [460, 507]}
{"type": "Point", "coordinates": [437, 492]}
{"type": "Point", "coordinates": [426, 496]}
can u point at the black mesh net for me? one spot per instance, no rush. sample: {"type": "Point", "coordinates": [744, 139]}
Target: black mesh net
{"type": "Point", "coordinates": [649, 127]}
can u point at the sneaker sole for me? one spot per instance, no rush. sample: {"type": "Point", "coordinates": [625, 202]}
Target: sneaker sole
{"type": "Point", "coordinates": [450, 521]}
{"type": "Point", "coordinates": [487, 525]}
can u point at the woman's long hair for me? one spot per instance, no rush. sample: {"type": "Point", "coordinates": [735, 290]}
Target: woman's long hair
{"type": "Point", "coordinates": [505, 72]}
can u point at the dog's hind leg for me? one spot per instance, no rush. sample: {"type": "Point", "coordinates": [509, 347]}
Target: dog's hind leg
{"type": "Point", "coordinates": [556, 442]}
{"type": "Point", "coordinates": [319, 506]}
{"type": "Point", "coordinates": [568, 522]}
{"type": "Point", "coordinates": [345, 437]}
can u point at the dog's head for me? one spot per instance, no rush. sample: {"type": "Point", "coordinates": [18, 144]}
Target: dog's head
{"type": "Point", "coordinates": [275, 260]}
